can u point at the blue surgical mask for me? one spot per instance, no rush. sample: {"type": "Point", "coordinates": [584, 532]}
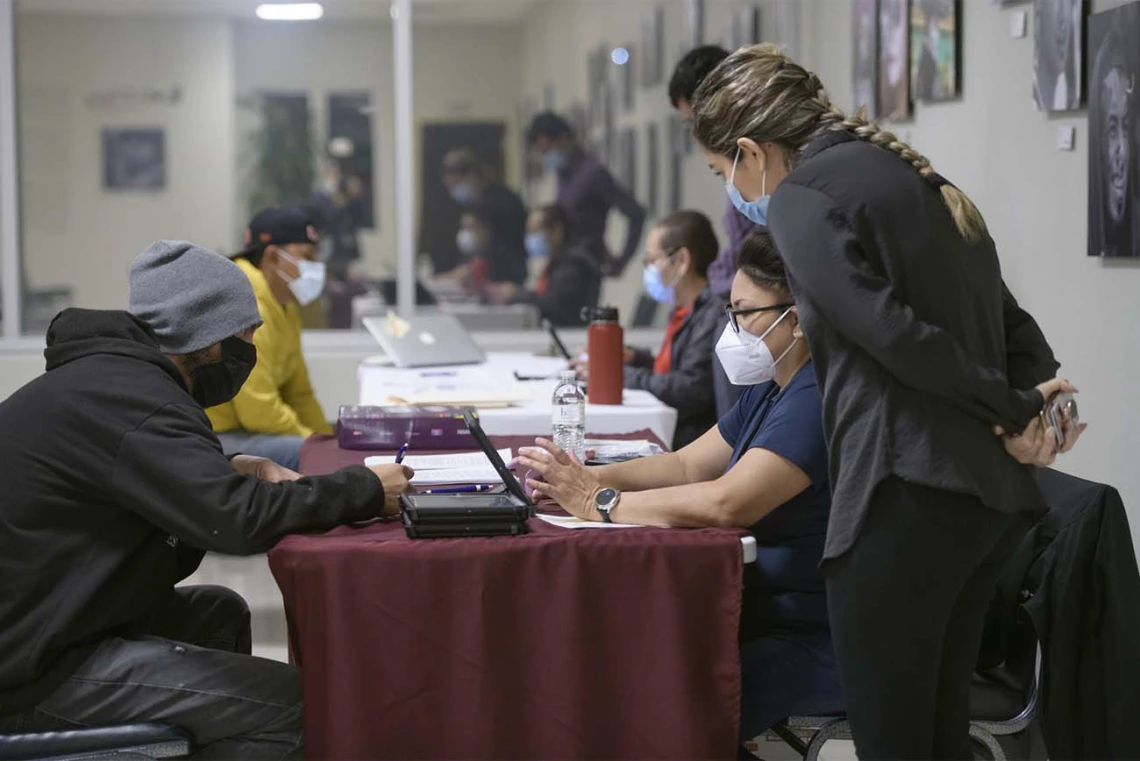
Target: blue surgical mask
{"type": "Point", "coordinates": [655, 285]}
{"type": "Point", "coordinates": [757, 210]}
{"type": "Point", "coordinates": [463, 193]}
{"type": "Point", "coordinates": [555, 160]}
{"type": "Point", "coordinates": [537, 245]}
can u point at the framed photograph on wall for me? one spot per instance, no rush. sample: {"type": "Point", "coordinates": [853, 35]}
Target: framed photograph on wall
{"type": "Point", "coordinates": [627, 160]}
{"type": "Point", "coordinates": [935, 49]}
{"type": "Point", "coordinates": [652, 46]}
{"type": "Point", "coordinates": [625, 75]}
{"type": "Point", "coordinates": [1114, 132]}
{"type": "Point", "coordinates": [134, 159]}
{"type": "Point", "coordinates": [653, 169]}
{"type": "Point", "coordinates": [745, 29]}
{"type": "Point", "coordinates": [894, 59]}
{"type": "Point", "coordinates": [865, 67]}
{"type": "Point", "coordinates": [1058, 70]}
{"type": "Point", "coordinates": [696, 15]}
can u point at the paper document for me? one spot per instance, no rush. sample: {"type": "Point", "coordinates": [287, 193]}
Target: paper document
{"type": "Point", "coordinates": [433, 398]}
{"type": "Point", "coordinates": [614, 448]}
{"type": "Point", "coordinates": [569, 521]}
{"type": "Point", "coordinates": [484, 474]}
{"type": "Point", "coordinates": [441, 461]}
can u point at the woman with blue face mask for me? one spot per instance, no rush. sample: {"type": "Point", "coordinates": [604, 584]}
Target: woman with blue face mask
{"type": "Point", "coordinates": [569, 279]}
{"type": "Point", "coordinates": [678, 252]}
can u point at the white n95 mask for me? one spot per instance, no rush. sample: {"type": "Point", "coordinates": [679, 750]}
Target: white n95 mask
{"type": "Point", "coordinates": [746, 359]}
{"type": "Point", "coordinates": [310, 281]}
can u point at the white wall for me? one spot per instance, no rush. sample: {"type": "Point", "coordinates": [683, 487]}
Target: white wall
{"type": "Point", "coordinates": [1003, 153]}
{"type": "Point", "coordinates": [75, 233]}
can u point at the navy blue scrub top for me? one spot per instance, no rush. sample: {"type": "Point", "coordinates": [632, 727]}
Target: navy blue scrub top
{"type": "Point", "coordinates": [790, 539]}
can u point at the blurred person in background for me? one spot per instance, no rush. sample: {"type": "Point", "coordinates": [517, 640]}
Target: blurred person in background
{"type": "Point", "coordinates": [678, 253]}
{"type": "Point", "coordinates": [115, 488]}
{"type": "Point", "coordinates": [468, 184]}
{"type": "Point", "coordinates": [489, 262]}
{"type": "Point", "coordinates": [570, 278]}
{"type": "Point", "coordinates": [336, 209]}
{"type": "Point", "coordinates": [276, 409]}
{"type": "Point", "coordinates": [691, 70]}
{"type": "Point", "coordinates": [587, 191]}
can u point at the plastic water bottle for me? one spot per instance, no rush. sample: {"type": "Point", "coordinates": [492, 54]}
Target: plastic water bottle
{"type": "Point", "coordinates": [570, 415]}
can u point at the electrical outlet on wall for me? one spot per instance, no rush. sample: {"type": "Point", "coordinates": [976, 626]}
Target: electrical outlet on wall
{"type": "Point", "coordinates": [1018, 24]}
{"type": "Point", "coordinates": [1066, 137]}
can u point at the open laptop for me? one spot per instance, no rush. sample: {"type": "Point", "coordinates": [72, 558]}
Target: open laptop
{"type": "Point", "coordinates": [498, 508]}
{"type": "Point", "coordinates": [436, 340]}
{"type": "Point", "coordinates": [557, 339]}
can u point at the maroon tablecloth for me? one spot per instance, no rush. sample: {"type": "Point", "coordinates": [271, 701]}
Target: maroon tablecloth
{"type": "Point", "coordinates": [589, 644]}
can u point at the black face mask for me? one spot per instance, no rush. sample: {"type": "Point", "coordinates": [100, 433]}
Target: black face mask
{"type": "Point", "coordinates": [219, 382]}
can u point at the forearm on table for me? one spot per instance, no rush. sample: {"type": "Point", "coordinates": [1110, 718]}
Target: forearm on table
{"type": "Point", "coordinates": [683, 506]}
{"type": "Point", "coordinates": [644, 473]}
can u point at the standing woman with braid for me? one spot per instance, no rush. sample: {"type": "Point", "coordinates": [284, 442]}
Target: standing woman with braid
{"type": "Point", "coordinates": [932, 379]}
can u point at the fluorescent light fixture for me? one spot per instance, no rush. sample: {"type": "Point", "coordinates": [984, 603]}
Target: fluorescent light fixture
{"type": "Point", "coordinates": [620, 56]}
{"type": "Point", "coordinates": [290, 11]}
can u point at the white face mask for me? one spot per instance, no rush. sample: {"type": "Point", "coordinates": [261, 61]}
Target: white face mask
{"type": "Point", "coordinates": [746, 359]}
{"type": "Point", "coordinates": [310, 281]}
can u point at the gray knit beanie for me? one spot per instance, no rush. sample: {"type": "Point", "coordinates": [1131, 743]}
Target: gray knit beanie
{"type": "Point", "coordinates": [192, 298]}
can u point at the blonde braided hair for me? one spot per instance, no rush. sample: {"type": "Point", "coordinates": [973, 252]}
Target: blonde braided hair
{"type": "Point", "coordinates": [760, 93]}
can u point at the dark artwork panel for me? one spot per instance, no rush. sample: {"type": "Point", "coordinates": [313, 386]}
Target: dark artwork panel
{"type": "Point", "coordinates": [865, 68]}
{"type": "Point", "coordinates": [627, 160]}
{"type": "Point", "coordinates": [1114, 132]}
{"type": "Point", "coordinates": [653, 47]}
{"type": "Point", "coordinates": [653, 165]}
{"type": "Point", "coordinates": [1058, 35]}
{"type": "Point", "coordinates": [935, 48]}
{"type": "Point", "coordinates": [134, 160]}
{"type": "Point", "coordinates": [894, 59]}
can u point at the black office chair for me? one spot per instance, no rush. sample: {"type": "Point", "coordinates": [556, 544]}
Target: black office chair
{"type": "Point", "coordinates": [1001, 705]}
{"type": "Point", "coordinates": [129, 742]}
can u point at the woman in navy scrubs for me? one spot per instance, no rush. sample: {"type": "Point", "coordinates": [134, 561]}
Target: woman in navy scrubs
{"type": "Point", "coordinates": [763, 468]}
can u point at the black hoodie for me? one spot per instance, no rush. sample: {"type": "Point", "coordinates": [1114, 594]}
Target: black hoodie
{"type": "Point", "coordinates": [114, 485]}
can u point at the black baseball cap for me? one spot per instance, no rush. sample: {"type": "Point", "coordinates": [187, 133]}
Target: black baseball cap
{"type": "Point", "coordinates": [277, 226]}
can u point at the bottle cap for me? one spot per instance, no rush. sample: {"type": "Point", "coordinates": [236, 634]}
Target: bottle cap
{"type": "Point", "coordinates": [600, 314]}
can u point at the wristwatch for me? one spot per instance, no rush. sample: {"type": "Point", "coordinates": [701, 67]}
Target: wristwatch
{"type": "Point", "coordinates": [606, 500]}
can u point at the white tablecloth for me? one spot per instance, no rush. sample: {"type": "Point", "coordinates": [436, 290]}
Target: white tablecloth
{"type": "Point", "coordinates": [639, 410]}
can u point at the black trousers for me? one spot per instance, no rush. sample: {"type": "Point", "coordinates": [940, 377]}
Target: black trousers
{"type": "Point", "coordinates": [189, 666]}
{"type": "Point", "coordinates": [907, 605]}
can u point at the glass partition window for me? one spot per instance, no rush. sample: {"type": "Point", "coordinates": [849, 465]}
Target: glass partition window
{"type": "Point", "coordinates": [136, 126]}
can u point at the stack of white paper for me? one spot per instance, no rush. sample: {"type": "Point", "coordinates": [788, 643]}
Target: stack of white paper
{"type": "Point", "coordinates": [435, 469]}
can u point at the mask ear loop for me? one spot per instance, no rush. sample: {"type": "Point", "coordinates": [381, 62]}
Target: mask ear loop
{"type": "Point", "coordinates": [795, 340]}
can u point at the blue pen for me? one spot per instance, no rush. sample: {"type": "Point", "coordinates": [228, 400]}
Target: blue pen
{"type": "Point", "coordinates": [461, 490]}
{"type": "Point", "coordinates": [401, 453]}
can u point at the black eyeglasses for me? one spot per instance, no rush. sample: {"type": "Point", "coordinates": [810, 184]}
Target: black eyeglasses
{"type": "Point", "coordinates": [734, 315]}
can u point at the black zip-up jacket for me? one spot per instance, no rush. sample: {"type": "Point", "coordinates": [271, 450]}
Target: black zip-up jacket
{"type": "Point", "coordinates": [114, 486]}
{"type": "Point", "coordinates": [688, 386]}
{"type": "Point", "coordinates": [918, 346]}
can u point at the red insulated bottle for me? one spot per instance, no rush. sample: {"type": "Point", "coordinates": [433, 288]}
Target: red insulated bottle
{"type": "Point", "coordinates": [604, 349]}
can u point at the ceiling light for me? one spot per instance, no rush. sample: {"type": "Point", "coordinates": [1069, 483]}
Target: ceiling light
{"type": "Point", "coordinates": [620, 56]}
{"type": "Point", "coordinates": [290, 11]}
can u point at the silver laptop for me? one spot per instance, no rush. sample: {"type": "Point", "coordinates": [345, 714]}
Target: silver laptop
{"type": "Point", "coordinates": [436, 340]}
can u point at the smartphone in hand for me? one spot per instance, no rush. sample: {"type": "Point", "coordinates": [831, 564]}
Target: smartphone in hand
{"type": "Point", "coordinates": [1061, 415]}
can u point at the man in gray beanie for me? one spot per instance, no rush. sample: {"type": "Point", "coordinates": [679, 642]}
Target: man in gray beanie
{"type": "Point", "coordinates": [115, 487]}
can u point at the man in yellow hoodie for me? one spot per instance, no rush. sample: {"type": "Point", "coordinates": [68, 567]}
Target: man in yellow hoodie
{"type": "Point", "coordinates": [276, 410]}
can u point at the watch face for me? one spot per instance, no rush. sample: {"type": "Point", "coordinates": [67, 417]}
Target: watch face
{"type": "Point", "coordinates": [606, 496]}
